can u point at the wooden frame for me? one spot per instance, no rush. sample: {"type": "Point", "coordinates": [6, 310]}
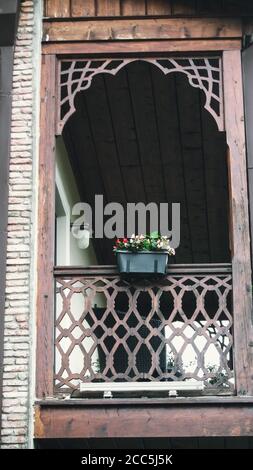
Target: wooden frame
{"type": "Point", "coordinates": [241, 262]}
{"type": "Point", "coordinates": [238, 194]}
{"type": "Point", "coordinates": [45, 300]}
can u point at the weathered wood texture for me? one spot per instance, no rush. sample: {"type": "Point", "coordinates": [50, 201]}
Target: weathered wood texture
{"type": "Point", "coordinates": [57, 8]}
{"type": "Point", "coordinates": [125, 29]}
{"type": "Point", "coordinates": [81, 8]}
{"type": "Point", "coordinates": [86, 8]}
{"type": "Point", "coordinates": [247, 59]}
{"type": "Point", "coordinates": [46, 216]}
{"type": "Point", "coordinates": [142, 421]}
{"type": "Point", "coordinates": [191, 401]}
{"type": "Point", "coordinates": [158, 7]}
{"type": "Point", "coordinates": [133, 8]}
{"type": "Point", "coordinates": [140, 47]}
{"type": "Point", "coordinates": [107, 8]}
{"type": "Point", "coordinates": [234, 119]}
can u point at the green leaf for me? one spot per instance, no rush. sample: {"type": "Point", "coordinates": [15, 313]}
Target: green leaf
{"type": "Point", "coordinates": [154, 235]}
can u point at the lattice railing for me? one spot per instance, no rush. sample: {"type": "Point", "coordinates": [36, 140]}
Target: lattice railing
{"type": "Point", "coordinates": [177, 328]}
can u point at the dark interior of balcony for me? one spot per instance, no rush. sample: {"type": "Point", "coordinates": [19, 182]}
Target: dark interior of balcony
{"type": "Point", "coordinates": [141, 136]}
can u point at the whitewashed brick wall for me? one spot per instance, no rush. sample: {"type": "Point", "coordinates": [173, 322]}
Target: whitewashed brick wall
{"type": "Point", "coordinates": [19, 312]}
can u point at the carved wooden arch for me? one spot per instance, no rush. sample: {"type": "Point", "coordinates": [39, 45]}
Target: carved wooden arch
{"type": "Point", "coordinates": [204, 73]}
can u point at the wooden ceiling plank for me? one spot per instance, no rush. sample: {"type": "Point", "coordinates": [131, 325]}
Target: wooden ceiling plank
{"type": "Point", "coordinates": [159, 7]}
{"type": "Point", "coordinates": [58, 8]}
{"type": "Point", "coordinates": [133, 8]}
{"type": "Point", "coordinates": [184, 7]}
{"type": "Point", "coordinates": [193, 165]}
{"type": "Point", "coordinates": [103, 139]}
{"type": "Point", "coordinates": [125, 134]}
{"type": "Point", "coordinates": [215, 167]}
{"type": "Point", "coordinates": [209, 7]}
{"type": "Point", "coordinates": [171, 154]}
{"type": "Point", "coordinates": [83, 8]}
{"type": "Point", "coordinates": [108, 7]}
{"type": "Point", "coordinates": [84, 157]}
{"type": "Point", "coordinates": [238, 7]}
{"type": "Point", "coordinates": [144, 114]}
{"type": "Point", "coordinates": [96, 103]}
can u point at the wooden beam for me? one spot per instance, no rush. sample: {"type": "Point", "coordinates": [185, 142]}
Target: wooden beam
{"type": "Point", "coordinates": [173, 269]}
{"type": "Point", "coordinates": [141, 47]}
{"type": "Point", "coordinates": [241, 263]}
{"type": "Point", "coordinates": [46, 217]}
{"type": "Point", "coordinates": [173, 420]}
{"type": "Point", "coordinates": [118, 29]}
{"type": "Point", "coordinates": [183, 400]}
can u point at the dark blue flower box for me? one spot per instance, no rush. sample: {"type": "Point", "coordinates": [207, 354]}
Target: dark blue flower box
{"type": "Point", "coordinates": [142, 262]}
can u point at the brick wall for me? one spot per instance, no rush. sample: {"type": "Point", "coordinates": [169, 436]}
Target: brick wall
{"type": "Point", "coordinates": [19, 313]}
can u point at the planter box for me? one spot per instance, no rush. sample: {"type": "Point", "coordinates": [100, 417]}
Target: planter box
{"type": "Point", "coordinates": [142, 262]}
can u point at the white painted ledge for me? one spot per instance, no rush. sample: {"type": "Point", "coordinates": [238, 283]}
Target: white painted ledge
{"type": "Point", "coordinates": [107, 387]}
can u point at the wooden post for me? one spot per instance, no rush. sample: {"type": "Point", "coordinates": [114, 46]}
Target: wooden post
{"type": "Point", "coordinates": [241, 262]}
{"type": "Point", "coordinates": [46, 216]}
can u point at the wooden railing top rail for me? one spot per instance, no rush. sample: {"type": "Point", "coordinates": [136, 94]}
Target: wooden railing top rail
{"type": "Point", "coordinates": [174, 269]}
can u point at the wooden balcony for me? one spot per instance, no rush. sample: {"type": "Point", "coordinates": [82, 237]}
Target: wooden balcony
{"type": "Point", "coordinates": [175, 329]}
{"type": "Point", "coordinates": [182, 328]}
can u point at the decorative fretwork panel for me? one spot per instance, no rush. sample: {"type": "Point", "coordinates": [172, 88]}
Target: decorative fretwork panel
{"type": "Point", "coordinates": [204, 73]}
{"type": "Point", "coordinates": [177, 328]}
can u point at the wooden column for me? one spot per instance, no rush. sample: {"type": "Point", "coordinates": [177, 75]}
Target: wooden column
{"type": "Point", "coordinates": [241, 262]}
{"type": "Point", "coordinates": [46, 217]}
